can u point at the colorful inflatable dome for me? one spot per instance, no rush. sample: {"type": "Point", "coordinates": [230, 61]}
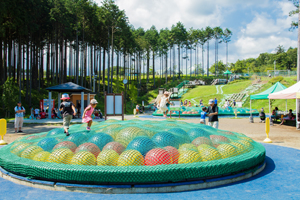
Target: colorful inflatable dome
{"type": "Point", "coordinates": [132, 151]}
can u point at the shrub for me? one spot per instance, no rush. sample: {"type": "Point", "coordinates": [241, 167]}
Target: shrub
{"type": "Point", "coordinates": [276, 79]}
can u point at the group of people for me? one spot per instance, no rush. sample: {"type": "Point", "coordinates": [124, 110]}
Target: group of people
{"type": "Point", "coordinates": [186, 103]}
{"type": "Point", "coordinates": [212, 113]}
{"type": "Point", "coordinates": [275, 115]}
{"type": "Point", "coordinates": [67, 109]}
{"type": "Point", "coordinates": [227, 104]}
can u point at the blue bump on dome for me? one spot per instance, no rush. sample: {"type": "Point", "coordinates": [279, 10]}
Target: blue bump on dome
{"type": "Point", "coordinates": [163, 139]}
{"type": "Point", "coordinates": [141, 144]}
{"type": "Point", "coordinates": [47, 144]}
{"type": "Point", "coordinates": [198, 132]}
{"type": "Point", "coordinates": [100, 139]}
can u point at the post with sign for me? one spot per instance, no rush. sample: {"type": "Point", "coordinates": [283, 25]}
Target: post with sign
{"type": "Point", "coordinates": [125, 81]}
{"type": "Point", "coordinates": [114, 105]}
{"type": "Point", "coordinates": [3, 125]}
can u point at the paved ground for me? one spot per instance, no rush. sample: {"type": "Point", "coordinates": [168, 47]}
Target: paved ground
{"type": "Point", "coordinates": [279, 180]}
{"type": "Point", "coordinates": [286, 136]}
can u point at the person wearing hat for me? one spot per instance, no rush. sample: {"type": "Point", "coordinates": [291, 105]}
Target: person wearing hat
{"type": "Point", "coordinates": [213, 111]}
{"type": "Point", "coordinates": [87, 114]}
{"type": "Point", "coordinates": [163, 103]}
{"type": "Point", "coordinates": [19, 115]}
{"type": "Point", "coordinates": [68, 110]}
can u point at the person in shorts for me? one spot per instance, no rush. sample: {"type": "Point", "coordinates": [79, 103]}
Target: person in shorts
{"type": "Point", "coordinates": [203, 115]}
{"type": "Point", "coordinates": [19, 115]}
{"type": "Point", "coordinates": [213, 114]}
{"type": "Point", "coordinates": [36, 113]}
{"type": "Point", "coordinates": [68, 110]}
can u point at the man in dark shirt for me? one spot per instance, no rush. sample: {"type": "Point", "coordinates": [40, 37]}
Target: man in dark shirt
{"type": "Point", "coordinates": [68, 110]}
{"type": "Point", "coordinates": [213, 114]}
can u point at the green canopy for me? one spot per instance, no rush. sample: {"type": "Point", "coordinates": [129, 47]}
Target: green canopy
{"type": "Point", "coordinates": [227, 72]}
{"type": "Point", "coordinates": [264, 95]}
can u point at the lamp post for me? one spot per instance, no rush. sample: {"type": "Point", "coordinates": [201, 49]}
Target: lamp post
{"type": "Point", "coordinates": [274, 67]}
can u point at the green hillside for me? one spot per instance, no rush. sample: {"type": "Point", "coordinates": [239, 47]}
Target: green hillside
{"type": "Point", "coordinates": [210, 92]}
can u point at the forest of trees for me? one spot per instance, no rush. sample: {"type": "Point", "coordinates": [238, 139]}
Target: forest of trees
{"type": "Point", "coordinates": [285, 60]}
{"type": "Point", "coordinates": [48, 42]}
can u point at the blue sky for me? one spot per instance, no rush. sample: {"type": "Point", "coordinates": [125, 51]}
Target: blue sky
{"type": "Point", "coordinates": [258, 25]}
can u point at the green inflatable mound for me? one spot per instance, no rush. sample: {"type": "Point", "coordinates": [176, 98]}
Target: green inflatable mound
{"type": "Point", "coordinates": [195, 112]}
{"type": "Point", "coordinates": [132, 152]}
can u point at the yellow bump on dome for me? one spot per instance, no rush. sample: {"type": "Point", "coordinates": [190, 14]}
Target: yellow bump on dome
{"type": "Point", "coordinates": [31, 151]}
{"type": "Point", "coordinates": [61, 155]}
{"type": "Point", "coordinates": [189, 157]}
{"type": "Point", "coordinates": [83, 158]}
{"type": "Point", "coordinates": [227, 150]}
{"type": "Point", "coordinates": [131, 158]}
{"type": "Point", "coordinates": [108, 158]}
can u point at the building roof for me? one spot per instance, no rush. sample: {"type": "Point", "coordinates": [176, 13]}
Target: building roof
{"type": "Point", "coordinates": [68, 87]}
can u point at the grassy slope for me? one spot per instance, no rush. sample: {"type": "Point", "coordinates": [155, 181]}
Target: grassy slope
{"type": "Point", "coordinates": [280, 103]}
{"type": "Point", "coordinates": [209, 92]}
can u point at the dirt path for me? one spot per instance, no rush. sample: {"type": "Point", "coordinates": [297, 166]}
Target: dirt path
{"type": "Point", "coordinates": [286, 136]}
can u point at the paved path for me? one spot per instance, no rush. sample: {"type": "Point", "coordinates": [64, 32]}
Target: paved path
{"type": "Point", "coordinates": [279, 180]}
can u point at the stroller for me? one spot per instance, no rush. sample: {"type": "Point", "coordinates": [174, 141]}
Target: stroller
{"type": "Point", "coordinates": [262, 116]}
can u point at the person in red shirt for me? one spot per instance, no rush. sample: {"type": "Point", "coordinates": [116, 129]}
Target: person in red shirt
{"type": "Point", "coordinates": [43, 114]}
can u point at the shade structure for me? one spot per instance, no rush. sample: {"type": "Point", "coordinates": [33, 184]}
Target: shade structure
{"type": "Point", "coordinates": [277, 87]}
{"type": "Point", "coordinates": [228, 72]}
{"type": "Point", "coordinates": [68, 87]}
{"type": "Point", "coordinates": [288, 93]}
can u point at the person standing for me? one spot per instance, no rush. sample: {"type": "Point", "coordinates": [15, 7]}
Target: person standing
{"type": "Point", "coordinates": [216, 101]}
{"type": "Point", "coordinates": [213, 114]}
{"type": "Point", "coordinates": [19, 115]}
{"type": "Point", "coordinates": [36, 113]}
{"type": "Point", "coordinates": [68, 110]}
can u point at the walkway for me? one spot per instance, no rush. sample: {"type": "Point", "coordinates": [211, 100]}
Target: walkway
{"type": "Point", "coordinates": [279, 180]}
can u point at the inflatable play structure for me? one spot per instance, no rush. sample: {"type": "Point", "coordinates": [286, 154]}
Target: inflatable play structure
{"type": "Point", "coordinates": [132, 152]}
{"type": "Point", "coordinates": [195, 111]}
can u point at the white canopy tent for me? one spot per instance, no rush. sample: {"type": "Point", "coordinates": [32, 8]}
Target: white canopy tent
{"type": "Point", "coordinates": [289, 93]}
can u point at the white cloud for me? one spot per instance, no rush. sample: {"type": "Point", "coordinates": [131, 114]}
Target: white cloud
{"type": "Point", "coordinates": [268, 28]}
{"type": "Point", "coordinates": [265, 32]}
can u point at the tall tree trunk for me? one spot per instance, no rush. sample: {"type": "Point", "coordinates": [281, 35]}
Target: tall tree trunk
{"type": "Point", "coordinates": [91, 66]}
{"type": "Point", "coordinates": [65, 62]}
{"type": "Point", "coordinates": [5, 61]}
{"type": "Point", "coordinates": [179, 61]}
{"type": "Point", "coordinates": [56, 56]}
{"type": "Point", "coordinates": [118, 56]}
{"type": "Point", "coordinates": [173, 63]}
{"type": "Point", "coordinates": [1, 63]}
{"type": "Point", "coordinates": [42, 67]}
{"type": "Point", "coordinates": [112, 59]}
{"type": "Point", "coordinates": [10, 58]}
{"type": "Point", "coordinates": [166, 68]}
{"type": "Point", "coordinates": [108, 62]}
{"type": "Point", "coordinates": [14, 60]}
{"type": "Point", "coordinates": [153, 63]}
{"type": "Point", "coordinates": [27, 68]}
{"type": "Point", "coordinates": [48, 63]}
{"type": "Point", "coordinates": [77, 56]}
{"type": "Point", "coordinates": [19, 67]}
{"type": "Point", "coordinates": [148, 65]}
{"type": "Point", "coordinates": [103, 74]}
{"type": "Point", "coordinates": [207, 69]}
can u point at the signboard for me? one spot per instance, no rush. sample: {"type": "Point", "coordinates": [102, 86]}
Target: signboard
{"type": "Point", "coordinates": [44, 104]}
{"type": "Point", "coordinates": [113, 105]}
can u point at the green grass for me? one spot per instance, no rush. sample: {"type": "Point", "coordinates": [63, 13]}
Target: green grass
{"type": "Point", "coordinates": [280, 103]}
{"type": "Point", "coordinates": [236, 87]}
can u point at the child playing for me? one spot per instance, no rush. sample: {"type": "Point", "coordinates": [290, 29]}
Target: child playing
{"type": "Point", "coordinates": [87, 114]}
{"type": "Point", "coordinates": [163, 104]}
{"type": "Point", "coordinates": [203, 115]}
{"type": "Point", "coordinates": [68, 110]}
